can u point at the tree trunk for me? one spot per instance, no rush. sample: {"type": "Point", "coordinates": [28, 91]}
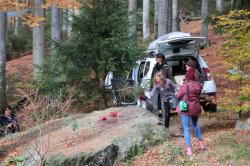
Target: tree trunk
{"type": "Point", "coordinates": [76, 12]}
{"type": "Point", "coordinates": [175, 16]}
{"type": "Point", "coordinates": [156, 8]}
{"type": "Point", "coordinates": [236, 4]}
{"type": "Point", "coordinates": [219, 7]}
{"type": "Point", "coordinates": [55, 27]}
{"type": "Point", "coordinates": [146, 30]}
{"type": "Point", "coordinates": [132, 7]}
{"type": "Point", "coordinates": [162, 17]}
{"type": "Point", "coordinates": [204, 21]}
{"type": "Point", "coordinates": [38, 40]}
{"type": "Point", "coordinates": [17, 26]}
{"type": "Point", "coordinates": [65, 22]}
{"type": "Point", "coordinates": [61, 17]}
{"type": "Point", "coordinates": [70, 12]}
{"type": "Point", "coordinates": [232, 4]}
{"type": "Point", "coordinates": [3, 29]}
{"type": "Point", "coordinates": [169, 24]}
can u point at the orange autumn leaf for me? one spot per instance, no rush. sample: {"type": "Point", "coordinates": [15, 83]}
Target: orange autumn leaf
{"type": "Point", "coordinates": [72, 4]}
{"type": "Point", "coordinates": [32, 21]}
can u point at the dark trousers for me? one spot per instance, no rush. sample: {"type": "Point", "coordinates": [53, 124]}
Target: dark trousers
{"type": "Point", "coordinates": [166, 115]}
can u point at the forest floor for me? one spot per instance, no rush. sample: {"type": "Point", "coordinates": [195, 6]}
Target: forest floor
{"type": "Point", "coordinates": [224, 145]}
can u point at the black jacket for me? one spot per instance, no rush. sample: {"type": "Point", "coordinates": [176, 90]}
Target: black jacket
{"type": "Point", "coordinates": [4, 121]}
{"type": "Point", "coordinates": [164, 68]}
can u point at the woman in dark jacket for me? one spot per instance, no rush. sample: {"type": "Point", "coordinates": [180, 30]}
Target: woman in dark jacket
{"type": "Point", "coordinates": [190, 92]}
{"type": "Point", "coordinates": [8, 122]}
{"type": "Point", "coordinates": [167, 89]}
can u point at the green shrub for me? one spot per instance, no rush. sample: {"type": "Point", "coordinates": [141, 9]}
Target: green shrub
{"type": "Point", "coordinates": [17, 45]}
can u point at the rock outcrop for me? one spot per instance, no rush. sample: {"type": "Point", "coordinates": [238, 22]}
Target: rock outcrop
{"type": "Point", "coordinates": [245, 125]}
{"type": "Point", "coordinates": [87, 140]}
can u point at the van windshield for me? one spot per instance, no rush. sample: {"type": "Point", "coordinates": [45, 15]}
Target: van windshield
{"type": "Point", "coordinates": [175, 47]}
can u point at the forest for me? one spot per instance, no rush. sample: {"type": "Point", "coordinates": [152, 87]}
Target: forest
{"type": "Point", "coordinates": [55, 56]}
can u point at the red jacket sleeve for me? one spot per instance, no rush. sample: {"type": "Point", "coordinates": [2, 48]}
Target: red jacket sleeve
{"type": "Point", "coordinates": [181, 91]}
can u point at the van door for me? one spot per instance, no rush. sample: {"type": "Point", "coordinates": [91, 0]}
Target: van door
{"type": "Point", "coordinates": [140, 71]}
{"type": "Point", "coordinates": [147, 73]}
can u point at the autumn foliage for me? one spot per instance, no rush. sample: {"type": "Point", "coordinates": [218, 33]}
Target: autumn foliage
{"type": "Point", "coordinates": [72, 4]}
{"type": "Point", "coordinates": [29, 19]}
{"type": "Point", "coordinates": [236, 24]}
{"type": "Point", "coordinates": [12, 5]}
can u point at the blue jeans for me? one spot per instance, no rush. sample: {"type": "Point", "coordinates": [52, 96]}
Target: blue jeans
{"type": "Point", "coordinates": [185, 123]}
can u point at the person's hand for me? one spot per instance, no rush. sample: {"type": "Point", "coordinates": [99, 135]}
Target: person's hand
{"type": "Point", "coordinates": [147, 95]}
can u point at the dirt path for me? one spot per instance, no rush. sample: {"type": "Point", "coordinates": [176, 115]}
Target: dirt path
{"type": "Point", "coordinates": [222, 145]}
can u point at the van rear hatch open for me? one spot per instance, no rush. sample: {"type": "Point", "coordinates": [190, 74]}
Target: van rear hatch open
{"type": "Point", "coordinates": [177, 64]}
{"type": "Point", "coordinates": [179, 46]}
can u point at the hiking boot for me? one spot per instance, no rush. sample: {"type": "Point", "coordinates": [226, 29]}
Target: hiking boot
{"type": "Point", "coordinates": [201, 145]}
{"type": "Point", "coordinates": [188, 151]}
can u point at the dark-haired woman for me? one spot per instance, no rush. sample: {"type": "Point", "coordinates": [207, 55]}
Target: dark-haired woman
{"type": "Point", "coordinates": [8, 122]}
{"type": "Point", "coordinates": [190, 92]}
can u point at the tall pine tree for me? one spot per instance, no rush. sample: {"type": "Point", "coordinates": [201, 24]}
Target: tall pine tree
{"type": "Point", "coordinates": [100, 43]}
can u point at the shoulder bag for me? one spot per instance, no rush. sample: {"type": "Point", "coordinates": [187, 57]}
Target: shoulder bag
{"type": "Point", "coordinates": [183, 103]}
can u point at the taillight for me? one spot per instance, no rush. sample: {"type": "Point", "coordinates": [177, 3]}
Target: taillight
{"type": "Point", "coordinates": [207, 74]}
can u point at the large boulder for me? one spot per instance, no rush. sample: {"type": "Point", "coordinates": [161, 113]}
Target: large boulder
{"type": "Point", "coordinates": [87, 140]}
{"type": "Point", "coordinates": [243, 125]}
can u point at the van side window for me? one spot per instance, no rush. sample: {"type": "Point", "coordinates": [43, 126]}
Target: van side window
{"type": "Point", "coordinates": [147, 67]}
{"type": "Point", "coordinates": [140, 72]}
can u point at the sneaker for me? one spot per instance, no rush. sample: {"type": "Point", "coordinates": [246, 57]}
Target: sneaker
{"type": "Point", "coordinates": [201, 145]}
{"type": "Point", "coordinates": [188, 151]}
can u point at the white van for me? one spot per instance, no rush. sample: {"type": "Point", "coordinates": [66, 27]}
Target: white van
{"type": "Point", "coordinates": [178, 48]}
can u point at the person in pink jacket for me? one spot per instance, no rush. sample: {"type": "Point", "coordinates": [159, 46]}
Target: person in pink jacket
{"type": "Point", "coordinates": [190, 91]}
